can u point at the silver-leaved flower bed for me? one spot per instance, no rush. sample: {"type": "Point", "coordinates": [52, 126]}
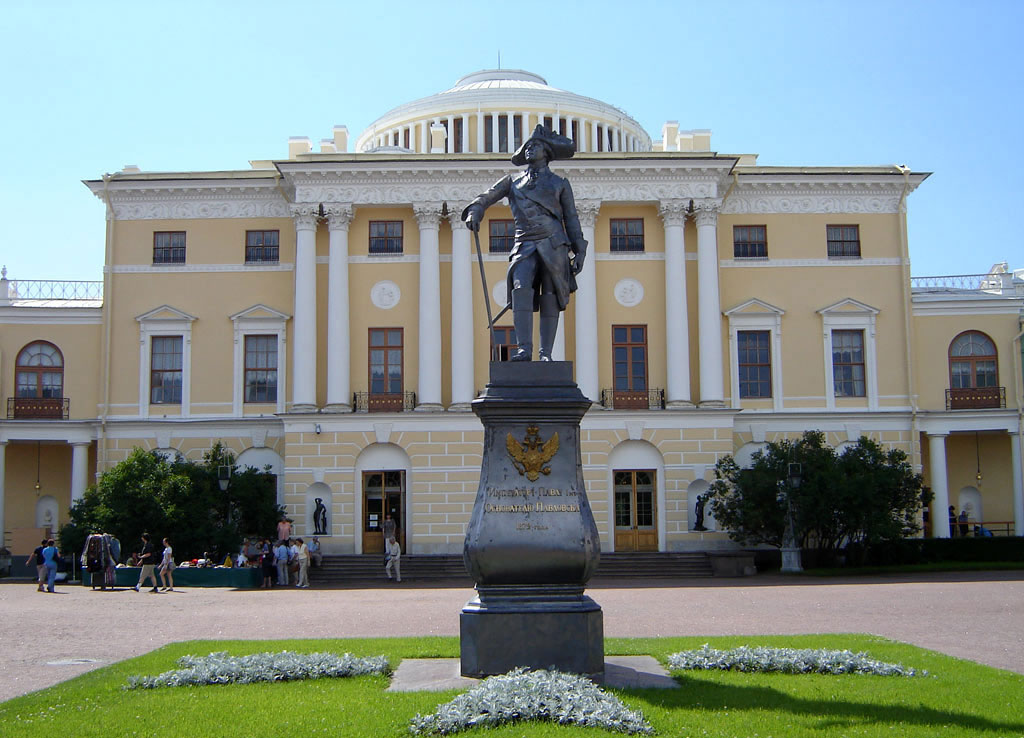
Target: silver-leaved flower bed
{"type": "Point", "coordinates": [787, 661]}
{"type": "Point", "coordinates": [286, 666]}
{"type": "Point", "coordinates": [566, 699]}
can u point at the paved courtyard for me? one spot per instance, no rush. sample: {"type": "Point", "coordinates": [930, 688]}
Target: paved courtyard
{"type": "Point", "coordinates": [50, 638]}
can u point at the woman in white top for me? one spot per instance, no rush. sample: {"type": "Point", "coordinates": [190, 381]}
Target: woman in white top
{"type": "Point", "coordinates": [167, 567]}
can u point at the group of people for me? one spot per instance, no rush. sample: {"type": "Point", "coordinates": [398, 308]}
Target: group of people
{"type": "Point", "coordinates": [148, 560]}
{"type": "Point", "coordinates": [46, 557]}
{"type": "Point", "coordinates": [290, 559]}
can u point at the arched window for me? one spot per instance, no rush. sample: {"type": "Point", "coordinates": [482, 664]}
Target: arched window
{"type": "Point", "coordinates": [972, 361]}
{"type": "Point", "coordinates": [40, 371]}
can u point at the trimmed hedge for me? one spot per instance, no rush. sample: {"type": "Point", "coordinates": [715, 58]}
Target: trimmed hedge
{"type": "Point", "coordinates": [932, 550]}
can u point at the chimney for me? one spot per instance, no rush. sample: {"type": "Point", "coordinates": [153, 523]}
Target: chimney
{"type": "Point", "coordinates": [669, 134]}
{"type": "Point", "coordinates": [299, 145]}
{"type": "Point", "coordinates": [327, 146]}
{"type": "Point", "coordinates": [130, 169]}
{"type": "Point", "coordinates": [341, 139]}
{"type": "Point", "coordinates": [684, 141]}
{"type": "Point", "coordinates": [701, 139]}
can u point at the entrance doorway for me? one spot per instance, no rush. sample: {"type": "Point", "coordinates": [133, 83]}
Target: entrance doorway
{"type": "Point", "coordinates": [635, 511]}
{"type": "Point", "coordinates": [383, 494]}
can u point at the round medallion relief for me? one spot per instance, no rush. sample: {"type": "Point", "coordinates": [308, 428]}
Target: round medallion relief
{"type": "Point", "coordinates": [500, 294]}
{"type": "Point", "coordinates": [385, 295]}
{"type": "Point", "coordinates": [629, 292]}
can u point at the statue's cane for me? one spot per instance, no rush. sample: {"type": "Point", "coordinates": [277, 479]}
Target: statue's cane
{"type": "Point", "coordinates": [487, 296]}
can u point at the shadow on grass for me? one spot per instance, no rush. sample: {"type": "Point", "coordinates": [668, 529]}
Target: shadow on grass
{"type": "Point", "coordinates": [711, 696]}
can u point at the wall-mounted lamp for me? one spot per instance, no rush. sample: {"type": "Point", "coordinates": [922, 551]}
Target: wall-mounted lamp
{"type": "Point", "coordinates": [38, 455]}
{"type": "Point", "coordinates": [317, 428]}
{"type": "Point", "coordinates": [977, 454]}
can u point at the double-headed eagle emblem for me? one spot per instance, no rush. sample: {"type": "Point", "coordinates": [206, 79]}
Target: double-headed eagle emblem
{"type": "Point", "coordinates": [530, 457]}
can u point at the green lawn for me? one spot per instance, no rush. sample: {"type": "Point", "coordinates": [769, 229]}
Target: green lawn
{"type": "Point", "coordinates": [958, 698]}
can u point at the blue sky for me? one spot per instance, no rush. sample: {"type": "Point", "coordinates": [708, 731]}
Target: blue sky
{"type": "Point", "coordinates": [90, 87]}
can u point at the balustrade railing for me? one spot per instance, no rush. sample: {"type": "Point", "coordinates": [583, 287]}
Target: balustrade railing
{"type": "Point", "coordinates": [964, 282]}
{"type": "Point", "coordinates": [652, 399]}
{"type": "Point", "coordinates": [38, 408]}
{"type": "Point", "coordinates": [46, 289]}
{"type": "Point", "coordinates": [975, 398]}
{"type": "Point", "coordinates": [392, 402]}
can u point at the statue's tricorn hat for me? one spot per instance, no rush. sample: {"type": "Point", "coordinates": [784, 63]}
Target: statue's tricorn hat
{"type": "Point", "coordinates": [559, 146]}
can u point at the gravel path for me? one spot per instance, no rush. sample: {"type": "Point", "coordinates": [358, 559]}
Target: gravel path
{"type": "Point", "coordinates": [976, 615]}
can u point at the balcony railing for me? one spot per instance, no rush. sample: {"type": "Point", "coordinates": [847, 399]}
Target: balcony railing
{"type": "Point", "coordinates": [978, 398]}
{"type": "Point", "coordinates": [37, 408]}
{"type": "Point", "coordinates": [998, 283]}
{"type": "Point", "coordinates": [394, 402]}
{"type": "Point", "coordinates": [652, 399]}
{"type": "Point", "coordinates": [44, 289]}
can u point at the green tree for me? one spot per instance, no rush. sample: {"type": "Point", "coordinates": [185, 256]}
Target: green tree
{"type": "Point", "coordinates": [863, 496]}
{"type": "Point", "coordinates": [180, 500]}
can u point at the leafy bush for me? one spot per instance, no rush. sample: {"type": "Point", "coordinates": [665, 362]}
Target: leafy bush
{"type": "Point", "coordinates": [566, 699]}
{"type": "Point", "coordinates": [786, 661]}
{"type": "Point", "coordinates": [286, 666]}
{"type": "Point", "coordinates": [179, 500]}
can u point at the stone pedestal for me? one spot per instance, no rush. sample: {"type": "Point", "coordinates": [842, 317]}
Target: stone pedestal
{"type": "Point", "coordinates": [791, 560]}
{"type": "Point", "coordinates": [532, 543]}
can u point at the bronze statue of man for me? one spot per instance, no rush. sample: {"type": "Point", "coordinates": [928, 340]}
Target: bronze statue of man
{"type": "Point", "coordinates": [549, 245]}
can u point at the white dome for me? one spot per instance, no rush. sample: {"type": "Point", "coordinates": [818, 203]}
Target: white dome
{"type": "Point", "coordinates": [482, 107]}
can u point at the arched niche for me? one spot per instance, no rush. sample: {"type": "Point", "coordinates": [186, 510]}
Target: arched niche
{"type": "Point", "coordinates": [383, 457]}
{"type": "Point", "coordinates": [317, 516]}
{"type": "Point", "coordinates": [260, 459]}
{"type": "Point", "coordinates": [969, 499]}
{"type": "Point", "coordinates": [634, 456]}
{"type": "Point", "coordinates": [697, 488]}
{"type": "Point", "coordinates": [48, 513]}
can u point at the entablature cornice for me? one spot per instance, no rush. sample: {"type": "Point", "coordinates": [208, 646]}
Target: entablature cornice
{"type": "Point", "coordinates": [819, 192]}
{"type": "Point", "coordinates": [187, 198]}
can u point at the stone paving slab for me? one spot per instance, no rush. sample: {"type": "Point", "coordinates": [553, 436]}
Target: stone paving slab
{"type": "Point", "coordinates": [438, 675]}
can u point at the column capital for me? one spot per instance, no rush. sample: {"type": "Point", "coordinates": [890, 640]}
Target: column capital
{"type": "Point", "coordinates": [673, 212]}
{"type": "Point", "coordinates": [587, 211]}
{"type": "Point", "coordinates": [937, 434]}
{"type": "Point", "coordinates": [70, 443]}
{"type": "Point", "coordinates": [428, 214]}
{"type": "Point", "coordinates": [339, 215]}
{"type": "Point", "coordinates": [705, 211]}
{"type": "Point", "coordinates": [305, 216]}
{"type": "Point", "coordinates": [456, 221]}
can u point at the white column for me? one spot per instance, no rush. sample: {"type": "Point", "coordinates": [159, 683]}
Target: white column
{"type": "Point", "coordinates": [424, 137]}
{"type": "Point", "coordinates": [465, 133]}
{"type": "Point", "coordinates": [428, 394]}
{"type": "Point", "coordinates": [709, 307]}
{"type": "Point", "coordinates": [940, 487]}
{"type": "Point", "coordinates": [304, 331]}
{"type": "Point", "coordinates": [510, 127]}
{"type": "Point", "coordinates": [79, 469]}
{"type": "Point", "coordinates": [495, 147]}
{"type": "Point", "coordinates": [677, 322]}
{"type": "Point", "coordinates": [585, 301]}
{"type": "Point", "coordinates": [3, 476]}
{"type": "Point", "coordinates": [568, 130]}
{"type": "Point", "coordinates": [1018, 486]}
{"type": "Point", "coordinates": [339, 391]}
{"type": "Point", "coordinates": [463, 389]}
{"type": "Point", "coordinates": [593, 135]}
{"type": "Point", "coordinates": [525, 123]}
{"type": "Point", "coordinates": [449, 141]}
{"type": "Point", "coordinates": [479, 131]}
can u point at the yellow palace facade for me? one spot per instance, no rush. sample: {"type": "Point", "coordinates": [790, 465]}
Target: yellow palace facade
{"type": "Point", "coordinates": [322, 315]}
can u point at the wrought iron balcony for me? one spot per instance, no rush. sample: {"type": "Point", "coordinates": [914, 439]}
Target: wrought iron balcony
{"type": "Point", "coordinates": [652, 399]}
{"type": "Point", "coordinates": [975, 398]}
{"type": "Point", "coordinates": [37, 408]}
{"type": "Point", "coordinates": [392, 402]}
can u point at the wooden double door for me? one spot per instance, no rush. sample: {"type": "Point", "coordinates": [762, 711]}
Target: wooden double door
{"type": "Point", "coordinates": [636, 513]}
{"type": "Point", "coordinates": [383, 495]}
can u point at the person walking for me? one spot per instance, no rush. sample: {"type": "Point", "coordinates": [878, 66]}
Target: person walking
{"type": "Point", "coordinates": [167, 567]}
{"type": "Point", "coordinates": [281, 560]}
{"type": "Point", "coordinates": [37, 556]}
{"type": "Point", "coordinates": [389, 530]}
{"type": "Point", "coordinates": [267, 564]}
{"type": "Point", "coordinates": [147, 560]}
{"type": "Point", "coordinates": [50, 556]}
{"type": "Point", "coordinates": [394, 559]}
{"type": "Point", "coordinates": [303, 558]}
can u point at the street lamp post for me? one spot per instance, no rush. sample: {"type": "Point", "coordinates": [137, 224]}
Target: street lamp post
{"type": "Point", "coordinates": [790, 544]}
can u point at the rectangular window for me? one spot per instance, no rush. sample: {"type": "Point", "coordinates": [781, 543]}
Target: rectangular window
{"type": "Point", "coordinates": [165, 370]}
{"type": "Point", "coordinates": [502, 236]}
{"type": "Point", "coordinates": [627, 234]}
{"type": "Point", "coordinates": [843, 241]}
{"type": "Point", "coordinates": [629, 358]}
{"type": "Point", "coordinates": [754, 357]}
{"type": "Point", "coordinates": [848, 363]}
{"type": "Point", "coordinates": [261, 368]}
{"type": "Point", "coordinates": [385, 236]}
{"type": "Point", "coordinates": [169, 247]}
{"type": "Point", "coordinates": [505, 341]}
{"type": "Point", "coordinates": [261, 247]}
{"type": "Point", "coordinates": [457, 136]}
{"type": "Point", "coordinates": [385, 361]}
{"type": "Point", "coordinates": [488, 133]}
{"type": "Point", "coordinates": [750, 242]}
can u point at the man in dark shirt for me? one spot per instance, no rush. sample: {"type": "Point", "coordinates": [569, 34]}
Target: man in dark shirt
{"type": "Point", "coordinates": [148, 560]}
{"type": "Point", "coordinates": [37, 555]}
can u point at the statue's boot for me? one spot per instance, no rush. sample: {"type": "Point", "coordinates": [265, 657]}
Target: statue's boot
{"type": "Point", "coordinates": [548, 325]}
{"type": "Point", "coordinates": [522, 320]}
